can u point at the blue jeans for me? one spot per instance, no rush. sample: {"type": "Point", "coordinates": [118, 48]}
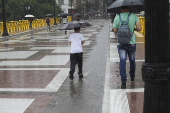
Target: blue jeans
{"type": "Point", "coordinates": [30, 24]}
{"type": "Point", "coordinates": [123, 50]}
{"type": "Point", "coordinates": [48, 26]}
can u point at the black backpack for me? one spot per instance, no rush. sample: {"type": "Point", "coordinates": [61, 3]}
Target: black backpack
{"type": "Point", "coordinates": [124, 34]}
{"type": "Point", "coordinates": [47, 20]}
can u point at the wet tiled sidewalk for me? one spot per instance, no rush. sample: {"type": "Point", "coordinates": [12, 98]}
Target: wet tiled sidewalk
{"type": "Point", "coordinates": [32, 68]}
{"type": "Point", "coordinates": [129, 100]}
{"type": "Point", "coordinates": [34, 65]}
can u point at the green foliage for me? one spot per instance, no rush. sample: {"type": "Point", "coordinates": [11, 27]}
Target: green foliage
{"type": "Point", "coordinates": [17, 9]}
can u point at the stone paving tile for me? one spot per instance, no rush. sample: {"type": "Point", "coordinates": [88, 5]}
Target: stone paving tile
{"type": "Point", "coordinates": [135, 100]}
{"type": "Point", "coordinates": [29, 74]}
{"type": "Point", "coordinates": [37, 106]}
{"type": "Point", "coordinates": [26, 78]}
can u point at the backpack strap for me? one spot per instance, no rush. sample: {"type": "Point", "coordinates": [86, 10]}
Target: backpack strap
{"type": "Point", "coordinates": [120, 20]}
{"type": "Point", "coordinates": [127, 19]}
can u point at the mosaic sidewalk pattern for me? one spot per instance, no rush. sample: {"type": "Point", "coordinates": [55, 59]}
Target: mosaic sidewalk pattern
{"type": "Point", "coordinates": [36, 63]}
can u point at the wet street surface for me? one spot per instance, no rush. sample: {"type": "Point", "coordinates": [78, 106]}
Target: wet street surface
{"type": "Point", "coordinates": [34, 71]}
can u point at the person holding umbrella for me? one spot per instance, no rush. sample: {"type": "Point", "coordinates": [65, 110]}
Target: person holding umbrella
{"type": "Point", "coordinates": [48, 23]}
{"type": "Point", "coordinates": [30, 22]}
{"type": "Point", "coordinates": [76, 55]}
{"type": "Point", "coordinates": [30, 19]}
{"type": "Point", "coordinates": [78, 18]}
{"type": "Point", "coordinates": [130, 48]}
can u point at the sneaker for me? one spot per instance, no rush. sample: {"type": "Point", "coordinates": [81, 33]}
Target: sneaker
{"type": "Point", "coordinates": [71, 76]}
{"type": "Point", "coordinates": [132, 79]}
{"type": "Point", "coordinates": [123, 86]}
{"type": "Point", "coordinates": [80, 75]}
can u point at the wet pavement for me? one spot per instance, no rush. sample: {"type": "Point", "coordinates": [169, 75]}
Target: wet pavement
{"type": "Point", "coordinates": [34, 69]}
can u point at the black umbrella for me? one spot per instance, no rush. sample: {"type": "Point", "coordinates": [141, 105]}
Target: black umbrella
{"type": "Point", "coordinates": [135, 5]}
{"type": "Point", "coordinates": [49, 15]}
{"type": "Point", "coordinates": [89, 13]}
{"type": "Point", "coordinates": [63, 15]}
{"type": "Point", "coordinates": [74, 24]}
{"type": "Point", "coordinates": [85, 24]}
{"type": "Point", "coordinates": [78, 14]}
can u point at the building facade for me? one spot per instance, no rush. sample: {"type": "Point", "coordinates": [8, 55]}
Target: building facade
{"type": "Point", "coordinates": [84, 6]}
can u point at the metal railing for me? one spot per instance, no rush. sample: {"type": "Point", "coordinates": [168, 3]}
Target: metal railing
{"type": "Point", "coordinates": [142, 22]}
{"type": "Point", "coordinates": [23, 25]}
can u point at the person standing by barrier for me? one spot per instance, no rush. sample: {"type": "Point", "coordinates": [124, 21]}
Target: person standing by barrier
{"type": "Point", "coordinates": [76, 55]}
{"type": "Point", "coordinates": [48, 23]}
{"type": "Point", "coordinates": [61, 20]}
{"type": "Point", "coordinates": [30, 22]}
{"type": "Point", "coordinates": [130, 48]}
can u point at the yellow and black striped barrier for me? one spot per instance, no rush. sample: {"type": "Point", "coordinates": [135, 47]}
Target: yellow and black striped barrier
{"type": "Point", "coordinates": [23, 25]}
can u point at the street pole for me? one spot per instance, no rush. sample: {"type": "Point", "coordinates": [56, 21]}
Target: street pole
{"type": "Point", "coordinates": [80, 7]}
{"type": "Point", "coordinates": [54, 14]}
{"type": "Point", "coordinates": [156, 68]}
{"type": "Point", "coordinates": [5, 32]}
{"type": "Point", "coordinates": [71, 10]}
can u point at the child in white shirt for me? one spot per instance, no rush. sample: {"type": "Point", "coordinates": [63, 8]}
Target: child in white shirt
{"type": "Point", "coordinates": [76, 55]}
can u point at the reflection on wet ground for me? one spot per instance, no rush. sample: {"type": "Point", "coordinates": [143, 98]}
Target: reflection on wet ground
{"type": "Point", "coordinates": [34, 73]}
{"type": "Point", "coordinates": [34, 69]}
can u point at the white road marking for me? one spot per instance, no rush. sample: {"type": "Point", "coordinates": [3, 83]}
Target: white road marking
{"type": "Point", "coordinates": [53, 86]}
{"type": "Point", "coordinates": [119, 101]}
{"type": "Point", "coordinates": [9, 105]}
{"type": "Point", "coordinates": [16, 54]}
{"type": "Point", "coordinates": [47, 60]}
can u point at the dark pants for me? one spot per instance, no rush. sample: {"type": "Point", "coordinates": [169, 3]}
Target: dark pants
{"type": "Point", "coordinates": [74, 59]}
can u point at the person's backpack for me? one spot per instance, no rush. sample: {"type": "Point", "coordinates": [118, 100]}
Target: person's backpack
{"type": "Point", "coordinates": [47, 20]}
{"type": "Point", "coordinates": [124, 34]}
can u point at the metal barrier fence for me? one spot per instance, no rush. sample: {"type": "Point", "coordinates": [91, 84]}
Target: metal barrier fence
{"type": "Point", "coordinates": [142, 22]}
{"type": "Point", "coordinates": [23, 25]}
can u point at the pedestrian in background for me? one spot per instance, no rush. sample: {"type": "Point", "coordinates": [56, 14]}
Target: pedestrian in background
{"type": "Point", "coordinates": [78, 18]}
{"type": "Point", "coordinates": [30, 22]}
{"type": "Point", "coordinates": [124, 49]}
{"type": "Point", "coordinates": [85, 17]}
{"type": "Point", "coordinates": [65, 20]}
{"type": "Point", "coordinates": [60, 20]}
{"type": "Point", "coordinates": [89, 17]}
{"type": "Point", "coordinates": [48, 23]}
{"type": "Point", "coordinates": [76, 55]}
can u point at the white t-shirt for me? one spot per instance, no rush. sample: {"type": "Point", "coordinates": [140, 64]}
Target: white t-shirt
{"type": "Point", "coordinates": [75, 39]}
{"type": "Point", "coordinates": [64, 20]}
